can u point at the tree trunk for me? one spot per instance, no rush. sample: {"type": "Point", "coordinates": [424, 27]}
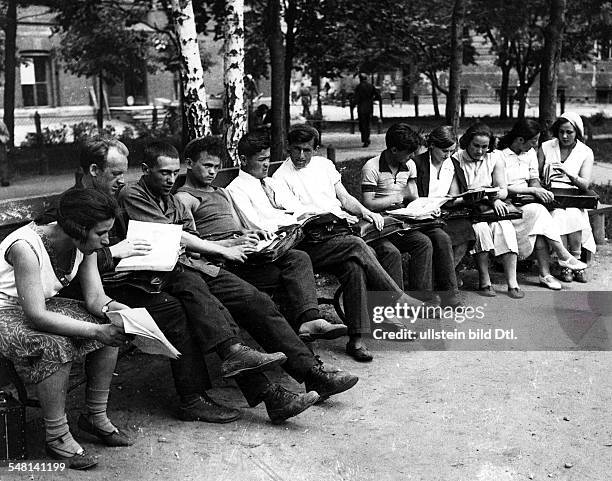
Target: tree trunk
{"type": "Point", "coordinates": [290, 19]}
{"type": "Point", "coordinates": [192, 74]}
{"type": "Point", "coordinates": [434, 98]}
{"type": "Point", "coordinates": [521, 96]}
{"type": "Point", "coordinates": [10, 64]}
{"type": "Point", "coordinates": [100, 112]}
{"type": "Point", "coordinates": [277, 67]}
{"type": "Point", "coordinates": [234, 115]}
{"type": "Point", "coordinates": [553, 38]}
{"type": "Point", "coordinates": [503, 93]}
{"type": "Point", "coordinates": [453, 98]}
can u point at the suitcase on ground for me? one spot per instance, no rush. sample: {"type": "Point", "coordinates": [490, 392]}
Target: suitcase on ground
{"type": "Point", "coordinates": [12, 428]}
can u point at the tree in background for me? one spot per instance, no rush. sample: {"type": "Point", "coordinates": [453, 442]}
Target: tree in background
{"type": "Point", "coordinates": [234, 118]}
{"type": "Point", "coordinates": [192, 74]}
{"type": "Point", "coordinates": [10, 64]}
{"type": "Point", "coordinates": [454, 78]}
{"type": "Point", "coordinates": [97, 43]}
{"type": "Point", "coordinates": [551, 56]}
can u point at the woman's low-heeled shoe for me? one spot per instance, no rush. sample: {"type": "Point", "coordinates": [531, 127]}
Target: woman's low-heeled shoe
{"type": "Point", "coordinates": [515, 293]}
{"type": "Point", "coordinates": [486, 291]}
{"type": "Point", "coordinates": [113, 439]}
{"type": "Point", "coordinates": [361, 353]}
{"type": "Point", "coordinates": [80, 460]}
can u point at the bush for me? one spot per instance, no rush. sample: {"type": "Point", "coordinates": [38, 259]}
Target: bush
{"type": "Point", "coordinates": [48, 136]}
{"type": "Point", "coordinates": [83, 130]}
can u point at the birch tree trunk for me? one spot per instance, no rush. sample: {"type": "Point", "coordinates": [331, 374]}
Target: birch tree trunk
{"type": "Point", "coordinates": [234, 115]}
{"type": "Point", "coordinates": [192, 75]}
{"type": "Point", "coordinates": [553, 38]}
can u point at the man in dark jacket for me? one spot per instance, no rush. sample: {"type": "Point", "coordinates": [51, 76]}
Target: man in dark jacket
{"type": "Point", "coordinates": [364, 96]}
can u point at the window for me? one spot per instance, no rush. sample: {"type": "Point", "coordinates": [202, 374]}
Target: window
{"type": "Point", "coordinates": [34, 81]}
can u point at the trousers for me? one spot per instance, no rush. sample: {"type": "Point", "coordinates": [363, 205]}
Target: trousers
{"type": "Point", "coordinates": [355, 265]}
{"type": "Point", "coordinates": [291, 276]}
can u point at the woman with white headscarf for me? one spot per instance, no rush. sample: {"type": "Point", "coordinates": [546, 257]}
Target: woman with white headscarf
{"type": "Point", "coordinates": [566, 162]}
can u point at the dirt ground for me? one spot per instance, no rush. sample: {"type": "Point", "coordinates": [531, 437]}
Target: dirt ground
{"type": "Point", "coordinates": [533, 407]}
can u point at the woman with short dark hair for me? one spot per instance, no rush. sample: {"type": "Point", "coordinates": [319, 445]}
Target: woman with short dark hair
{"type": "Point", "coordinates": [42, 334]}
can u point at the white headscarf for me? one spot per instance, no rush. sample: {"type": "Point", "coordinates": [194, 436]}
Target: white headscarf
{"type": "Point", "coordinates": [575, 120]}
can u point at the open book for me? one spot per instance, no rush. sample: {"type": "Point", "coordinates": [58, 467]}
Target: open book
{"type": "Point", "coordinates": [421, 208]}
{"type": "Point", "coordinates": [149, 338]}
{"type": "Point", "coordinates": [165, 240]}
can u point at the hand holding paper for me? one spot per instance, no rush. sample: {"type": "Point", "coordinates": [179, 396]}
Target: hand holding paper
{"type": "Point", "coordinates": [148, 337]}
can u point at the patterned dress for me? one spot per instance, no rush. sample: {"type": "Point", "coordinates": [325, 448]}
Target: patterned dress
{"type": "Point", "coordinates": [38, 354]}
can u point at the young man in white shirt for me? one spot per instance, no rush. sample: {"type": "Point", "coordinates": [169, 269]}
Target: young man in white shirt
{"type": "Point", "coordinates": [346, 256]}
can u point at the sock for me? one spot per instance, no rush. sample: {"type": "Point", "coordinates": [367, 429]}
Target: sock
{"type": "Point", "coordinates": [95, 401]}
{"type": "Point", "coordinates": [57, 435]}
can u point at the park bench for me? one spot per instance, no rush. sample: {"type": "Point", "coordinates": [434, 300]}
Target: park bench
{"type": "Point", "coordinates": [597, 218]}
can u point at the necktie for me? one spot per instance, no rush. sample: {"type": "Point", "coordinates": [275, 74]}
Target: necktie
{"type": "Point", "coordinates": [270, 194]}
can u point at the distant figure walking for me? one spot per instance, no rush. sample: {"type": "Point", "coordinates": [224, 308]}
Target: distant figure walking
{"type": "Point", "coordinates": [4, 167]}
{"type": "Point", "coordinates": [304, 94]}
{"type": "Point", "coordinates": [364, 96]}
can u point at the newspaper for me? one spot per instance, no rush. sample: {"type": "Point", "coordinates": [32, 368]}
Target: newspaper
{"type": "Point", "coordinates": [165, 241]}
{"type": "Point", "coordinates": [148, 337]}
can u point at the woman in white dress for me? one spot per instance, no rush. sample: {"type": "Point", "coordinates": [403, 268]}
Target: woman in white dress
{"type": "Point", "coordinates": [566, 162]}
{"type": "Point", "coordinates": [536, 231]}
{"type": "Point", "coordinates": [484, 167]}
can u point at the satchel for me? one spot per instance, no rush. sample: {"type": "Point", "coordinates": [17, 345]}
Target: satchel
{"type": "Point", "coordinates": [486, 213]}
{"type": "Point", "coordinates": [368, 231]}
{"type": "Point", "coordinates": [322, 227]}
{"type": "Point", "coordinates": [150, 282]}
{"type": "Point", "coordinates": [287, 238]}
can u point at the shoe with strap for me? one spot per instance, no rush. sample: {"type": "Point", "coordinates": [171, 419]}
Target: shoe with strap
{"type": "Point", "coordinates": [208, 410]}
{"type": "Point", "coordinates": [550, 282]}
{"type": "Point", "coordinates": [572, 263]}
{"type": "Point", "coordinates": [282, 404]}
{"type": "Point", "coordinates": [580, 276]}
{"type": "Point", "coordinates": [114, 438]}
{"type": "Point", "coordinates": [79, 460]}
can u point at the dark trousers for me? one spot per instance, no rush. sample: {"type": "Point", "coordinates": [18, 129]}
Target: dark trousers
{"type": "Point", "coordinates": [356, 267]}
{"type": "Point", "coordinates": [365, 119]}
{"type": "Point", "coordinates": [4, 164]}
{"type": "Point", "coordinates": [189, 370]}
{"type": "Point", "coordinates": [291, 276]}
{"type": "Point", "coordinates": [255, 312]}
{"type": "Point", "coordinates": [431, 261]}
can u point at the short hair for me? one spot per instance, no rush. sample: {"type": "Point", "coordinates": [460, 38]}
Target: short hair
{"type": "Point", "coordinates": [479, 128]}
{"type": "Point", "coordinates": [301, 133]}
{"type": "Point", "coordinates": [554, 128]}
{"type": "Point", "coordinates": [254, 142]}
{"type": "Point", "coordinates": [94, 150]}
{"type": "Point", "coordinates": [79, 210]}
{"type": "Point", "coordinates": [211, 144]}
{"type": "Point", "coordinates": [442, 137]}
{"type": "Point", "coordinates": [156, 149]}
{"type": "Point", "coordinates": [526, 128]}
{"type": "Point", "coordinates": [402, 137]}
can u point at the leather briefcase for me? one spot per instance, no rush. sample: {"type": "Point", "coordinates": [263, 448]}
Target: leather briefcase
{"type": "Point", "coordinates": [322, 227]}
{"type": "Point", "coordinates": [368, 231]}
{"type": "Point", "coordinates": [288, 237]}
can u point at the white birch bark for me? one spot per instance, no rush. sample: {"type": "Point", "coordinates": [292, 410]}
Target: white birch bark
{"type": "Point", "coordinates": [192, 75]}
{"type": "Point", "coordinates": [234, 114]}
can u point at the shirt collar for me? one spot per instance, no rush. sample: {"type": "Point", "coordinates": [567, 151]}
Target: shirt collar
{"type": "Point", "coordinates": [249, 178]}
{"type": "Point", "coordinates": [383, 165]}
{"type": "Point", "coordinates": [143, 183]}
